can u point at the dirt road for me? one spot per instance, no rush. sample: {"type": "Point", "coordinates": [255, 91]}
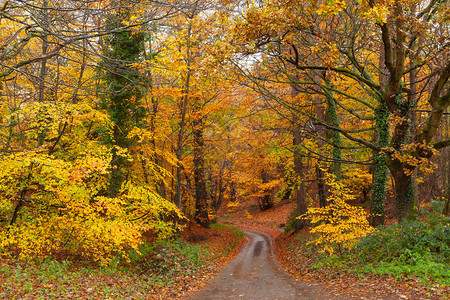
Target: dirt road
{"type": "Point", "coordinates": [255, 274]}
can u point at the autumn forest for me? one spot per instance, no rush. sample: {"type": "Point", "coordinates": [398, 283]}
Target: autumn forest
{"type": "Point", "coordinates": [140, 141]}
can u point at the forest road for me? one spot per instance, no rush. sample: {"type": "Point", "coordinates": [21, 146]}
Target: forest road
{"type": "Point", "coordinates": [255, 274]}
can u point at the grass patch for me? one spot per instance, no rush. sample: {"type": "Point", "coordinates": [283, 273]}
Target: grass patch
{"type": "Point", "coordinates": [238, 233]}
{"type": "Point", "coordinates": [165, 258]}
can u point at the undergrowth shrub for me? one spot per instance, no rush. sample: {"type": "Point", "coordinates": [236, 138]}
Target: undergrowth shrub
{"type": "Point", "coordinates": [410, 248]}
{"type": "Point", "coordinates": [165, 258]}
{"type": "Point", "coordinates": [291, 220]}
{"type": "Point", "coordinates": [338, 225]}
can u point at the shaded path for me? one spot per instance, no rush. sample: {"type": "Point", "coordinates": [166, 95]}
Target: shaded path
{"type": "Point", "coordinates": [255, 274]}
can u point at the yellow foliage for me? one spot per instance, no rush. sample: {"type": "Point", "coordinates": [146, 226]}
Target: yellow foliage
{"type": "Point", "coordinates": [377, 13]}
{"type": "Point", "coordinates": [339, 224]}
{"type": "Point", "coordinates": [407, 156]}
{"type": "Point", "coordinates": [232, 205]}
{"type": "Point", "coordinates": [61, 204]}
{"type": "Point", "coordinates": [270, 185]}
{"type": "Point", "coordinates": [332, 7]}
{"type": "Point", "coordinates": [55, 167]}
{"type": "Point", "coordinates": [357, 179]}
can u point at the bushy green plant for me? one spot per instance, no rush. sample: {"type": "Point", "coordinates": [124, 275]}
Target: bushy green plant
{"type": "Point", "coordinates": [165, 257]}
{"type": "Point", "coordinates": [423, 267]}
{"type": "Point", "coordinates": [290, 223]}
{"type": "Point", "coordinates": [397, 241]}
{"type": "Point", "coordinates": [413, 247]}
{"type": "Point", "coordinates": [54, 269]}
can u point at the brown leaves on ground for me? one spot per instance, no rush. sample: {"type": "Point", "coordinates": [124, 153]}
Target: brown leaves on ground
{"type": "Point", "coordinates": [221, 245]}
{"type": "Point", "coordinates": [269, 221]}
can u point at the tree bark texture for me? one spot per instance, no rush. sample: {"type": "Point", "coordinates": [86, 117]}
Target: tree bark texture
{"type": "Point", "coordinates": [300, 193]}
{"type": "Point", "coordinates": [201, 195]}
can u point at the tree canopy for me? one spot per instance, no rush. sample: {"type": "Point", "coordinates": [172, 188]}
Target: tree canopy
{"type": "Point", "coordinates": [124, 120]}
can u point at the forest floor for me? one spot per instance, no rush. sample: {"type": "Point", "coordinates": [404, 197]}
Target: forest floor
{"type": "Point", "coordinates": [294, 257]}
{"type": "Point", "coordinates": [179, 269]}
{"type": "Point", "coordinates": [169, 271]}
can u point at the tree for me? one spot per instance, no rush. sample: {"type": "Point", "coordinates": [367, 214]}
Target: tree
{"type": "Point", "coordinates": [193, 86]}
{"type": "Point", "coordinates": [333, 37]}
{"type": "Point", "coordinates": [124, 86]}
{"type": "Point", "coordinates": [55, 166]}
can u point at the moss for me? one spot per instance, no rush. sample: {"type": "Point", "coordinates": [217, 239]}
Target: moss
{"type": "Point", "coordinates": [380, 175]}
{"type": "Point", "coordinates": [334, 136]}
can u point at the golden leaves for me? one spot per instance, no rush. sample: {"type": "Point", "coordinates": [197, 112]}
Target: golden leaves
{"type": "Point", "coordinates": [63, 208]}
{"type": "Point", "coordinates": [332, 7]}
{"type": "Point", "coordinates": [414, 156]}
{"type": "Point", "coordinates": [378, 13]}
{"type": "Point", "coordinates": [328, 50]}
{"type": "Point", "coordinates": [338, 224]}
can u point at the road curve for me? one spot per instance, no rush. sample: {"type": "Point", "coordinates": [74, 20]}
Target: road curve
{"type": "Point", "coordinates": [255, 274]}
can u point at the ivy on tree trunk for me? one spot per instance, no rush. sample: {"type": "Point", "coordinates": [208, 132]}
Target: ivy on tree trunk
{"type": "Point", "coordinates": [380, 174]}
{"type": "Point", "coordinates": [121, 48]}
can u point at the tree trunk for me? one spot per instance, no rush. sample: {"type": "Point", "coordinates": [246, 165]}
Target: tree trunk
{"type": "Point", "coordinates": [185, 99]}
{"type": "Point", "coordinates": [299, 169]}
{"type": "Point", "coordinates": [43, 68]}
{"type": "Point", "coordinates": [210, 189]}
{"type": "Point", "coordinates": [446, 210]}
{"type": "Point", "coordinates": [220, 196]}
{"type": "Point", "coordinates": [322, 134]}
{"type": "Point", "coordinates": [321, 190]}
{"type": "Point", "coordinates": [201, 195]}
{"type": "Point", "coordinates": [17, 208]}
{"type": "Point", "coordinates": [404, 184]}
{"type": "Point", "coordinates": [266, 201]}
{"type": "Point", "coordinates": [83, 65]}
{"type": "Point", "coordinates": [118, 164]}
{"type": "Point", "coordinates": [380, 173]}
{"type": "Point", "coordinates": [153, 108]}
{"type": "Point", "coordinates": [380, 170]}
{"type": "Point", "coordinates": [412, 100]}
{"type": "Point", "coordinates": [220, 188]}
{"type": "Point", "coordinates": [233, 192]}
{"type": "Point", "coordinates": [333, 136]}
{"type": "Point", "coordinates": [300, 186]}
{"type": "Point", "coordinates": [404, 191]}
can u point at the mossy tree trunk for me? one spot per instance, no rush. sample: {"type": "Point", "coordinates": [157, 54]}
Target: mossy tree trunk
{"type": "Point", "coordinates": [121, 48]}
{"type": "Point", "coordinates": [333, 136]}
{"type": "Point", "coordinates": [299, 169]}
{"type": "Point", "coordinates": [266, 200]}
{"type": "Point", "coordinates": [380, 174]}
{"type": "Point", "coordinates": [300, 193]}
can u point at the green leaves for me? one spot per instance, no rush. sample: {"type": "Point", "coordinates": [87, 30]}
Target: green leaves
{"type": "Point", "coordinates": [412, 248]}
